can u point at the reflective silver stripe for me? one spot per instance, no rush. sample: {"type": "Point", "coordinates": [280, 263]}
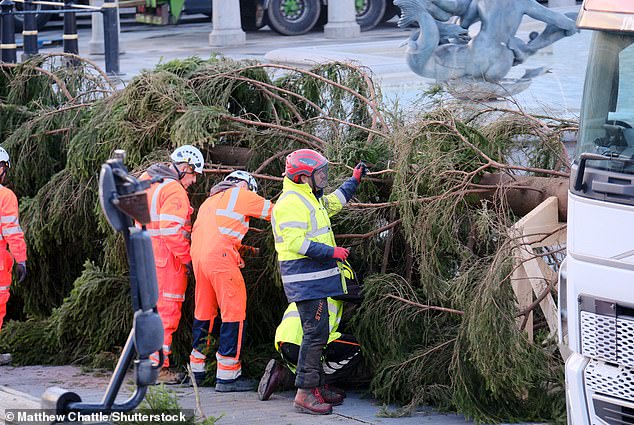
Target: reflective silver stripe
{"type": "Point", "coordinates": [339, 194]}
{"type": "Point", "coordinates": [197, 355]}
{"type": "Point", "coordinates": [167, 231]}
{"type": "Point", "coordinates": [167, 348]}
{"type": "Point", "coordinates": [320, 231]}
{"type": "Point", "coordinates": [174, 296]}
{"type": "Point", "coordinates": [304, 248]}
{"type": "Point", "coordinates": [233, 199]}
{"type": "Point", "coordinates": [332, 308]}
{"type": "Point", "coordinates": [197, 367]}
{"type": "Point", "coordinates": [266, 209]}
{"type": "Point", "coordinates": [9, 219]}
{"type": "Point", "coordinates": [294, 313]}
{"type": "Point", "coordinates": [234, 215]}
{"type": "Point", "coordinates": [171, 217]}
{"type": "Point", "coordinates": [4, 288]}
{"type": "Point", "coordinates": [311, 209]}
{"type": "Point", "coordinates": [227, 361]}
{"type": "Point", "coordinates": [229, 232]}
{"type": "Point", "coordinates": [153, 207]}
{"type": "Point", "coordinates": [11, 231]}
{"type": "Point", "coordinates": [279, 239]}
{"type": "Point", "coordinates": [293, 225]}
{"type": "Point", "coordinates": [301, 277]}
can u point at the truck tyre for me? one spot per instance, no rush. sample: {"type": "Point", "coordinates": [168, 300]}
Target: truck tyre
{"type": "Point", "coordinates": [369, 13]}
{"type": "Point", "coordinates": [293, 17]}
{"type": "Point", "coordinates": [40, 19]}
{"type": "Point", "coordinates": [391, 10]}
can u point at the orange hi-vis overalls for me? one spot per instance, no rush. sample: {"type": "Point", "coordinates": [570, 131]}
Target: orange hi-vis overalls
{"type": "Point", "coordinates": [221, 224]}
{"type": "Point", "coordinates": [13, 237]}
{"type": "Point", "coordinates": [170, 227]}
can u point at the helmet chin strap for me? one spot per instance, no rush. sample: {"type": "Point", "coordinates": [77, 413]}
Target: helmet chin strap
{"type": "Point", "coordinates": [180, 173]}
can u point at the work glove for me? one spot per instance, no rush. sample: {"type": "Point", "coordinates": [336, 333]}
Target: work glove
{"type": "Point", "coordinates": [20, 271]}
{"type": "Point", "coordinates": [341, 253]}
{"type": "Point", "coordinates": [190, 269]}
{"type": "Point", "coordinates": [360, 171]}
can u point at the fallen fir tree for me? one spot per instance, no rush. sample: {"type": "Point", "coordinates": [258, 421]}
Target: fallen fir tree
{"type": "Point", "coordinates": [428, 228]}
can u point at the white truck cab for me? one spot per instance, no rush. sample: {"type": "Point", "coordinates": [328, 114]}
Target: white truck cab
{"type": "Point", "coordinates": [596, 293]}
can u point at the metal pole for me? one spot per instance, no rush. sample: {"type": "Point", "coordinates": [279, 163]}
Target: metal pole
{"type": "Point", "coordinates": [7, 44]}
{"type": "Point", "coordinates": [71, 39]}
{"type": "Point", "coordinates": [111, 36]}
{"type": "Point", "coordinates": [29, 34]}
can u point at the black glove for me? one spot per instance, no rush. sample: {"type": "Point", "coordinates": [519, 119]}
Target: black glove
{"type": "Point", "coordinates": [190, 269]}
{"type": "Point", "coordinates": [20, 271]}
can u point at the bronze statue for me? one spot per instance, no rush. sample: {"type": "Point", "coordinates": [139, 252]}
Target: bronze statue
{"type": "Point", "coordinates": [444, 51]}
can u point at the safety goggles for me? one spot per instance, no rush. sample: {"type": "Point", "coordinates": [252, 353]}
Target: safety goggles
{"type": "Point", "coordinates": [320, 177]}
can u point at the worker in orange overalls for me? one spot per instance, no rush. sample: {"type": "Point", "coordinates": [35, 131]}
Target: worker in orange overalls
{"type": "Point", "coordinates": [170, 227]}
{"type": "Point", "coordinates": [222, 222]}
{"type": "Point", "coordinates": [13, 238]}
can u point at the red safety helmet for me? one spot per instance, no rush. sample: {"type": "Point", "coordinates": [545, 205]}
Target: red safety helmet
{"type": "Point", "coordinates": [304, 162]}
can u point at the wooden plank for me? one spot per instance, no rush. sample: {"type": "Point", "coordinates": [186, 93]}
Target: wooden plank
{"type": "Point", "coordinates": [524, 294]}
{"type": "Point", "coordinates": [540, 283]}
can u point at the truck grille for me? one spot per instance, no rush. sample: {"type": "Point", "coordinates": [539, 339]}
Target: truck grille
{"type": "Point", "coordinates": [608, 338]}
{"type": "Point", "coordinates": [613, 412]}
{"type": "Point", "coordinates": [609, 380]}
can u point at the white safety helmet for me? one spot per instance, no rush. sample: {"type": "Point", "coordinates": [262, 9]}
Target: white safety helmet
{"type": "Point", "coordinates": [190, 155]}
{"type": "Point", "coordinates": [244, 176]}
{"type": "Point", "coordinates": [4, 157]}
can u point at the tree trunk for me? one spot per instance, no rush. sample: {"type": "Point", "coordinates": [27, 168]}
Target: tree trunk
{"type": "Point", "coordinates": [523, 193]}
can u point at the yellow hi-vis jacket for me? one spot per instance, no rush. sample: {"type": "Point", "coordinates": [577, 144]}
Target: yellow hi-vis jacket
{"type": "Point", "coordinates": [304, 240]}
{"type": "Point", "coordinates": [290, 330]}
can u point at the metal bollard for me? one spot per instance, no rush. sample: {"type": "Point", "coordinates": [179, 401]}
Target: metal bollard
{"type": "Point", "coordinates": [111, 36]}
{"type": "Point", "coordinates": [29, 33]}
{"type": "Point", "coordinates": [70, 37]}
{"type": "Point", "coordinates": [7, 42]}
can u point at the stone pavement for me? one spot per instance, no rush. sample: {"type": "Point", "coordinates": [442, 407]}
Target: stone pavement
{"type": "Point", "coordinates": [235, 408]}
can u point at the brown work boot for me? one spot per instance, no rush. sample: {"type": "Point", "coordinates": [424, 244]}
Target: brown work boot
{"type": "Point", "coordinates": [170, 377]}
{"type": "Point", "coordinates": [331, 397]}
{"type": "Point", "coordinates": [310, 401]}
{"type": "Point", "coordinates": [338, 390]}
{"type": "Point", "coordinates": [272, 380]}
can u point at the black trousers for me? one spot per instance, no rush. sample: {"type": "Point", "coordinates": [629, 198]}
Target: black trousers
{"type": "Point", "coordinates": [314, 317]}
{"type": "Point", "coordinates": [340, 360]}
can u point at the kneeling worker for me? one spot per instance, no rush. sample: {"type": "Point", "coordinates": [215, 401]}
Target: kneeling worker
{"type": "Point", "coordinates": [340, 358]}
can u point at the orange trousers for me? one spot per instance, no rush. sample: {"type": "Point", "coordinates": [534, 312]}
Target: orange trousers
{"type": "Point", "coordinates": [224, 291]}
{"type": "Point", "coordinates": [6, 264]}
{"type": "Point", "coordinates": [171, 277]}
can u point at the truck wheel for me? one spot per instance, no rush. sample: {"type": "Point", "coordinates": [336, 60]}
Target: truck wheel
{"type": "Point", "coordinates": [293, 17]}
{"type": "Point", "coordinates": [391, 10]}
{"type": "Point", "coordinates": [40, 18]}
{"type": "Point", "coordinates": [369, 13]}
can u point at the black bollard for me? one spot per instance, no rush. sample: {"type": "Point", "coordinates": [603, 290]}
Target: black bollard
{"type": "Point", "coordinates": [111, 36]}
{"type": "Point", "coordinates": [29, 34]}
{"type": "Point", "coordinates": [7, 43]}
{"type": "Point", "coordinates": [71, 39]}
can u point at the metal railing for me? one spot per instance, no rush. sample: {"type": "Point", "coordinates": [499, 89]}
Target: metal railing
{"type": "Point", "coordinates": [8, 45]}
